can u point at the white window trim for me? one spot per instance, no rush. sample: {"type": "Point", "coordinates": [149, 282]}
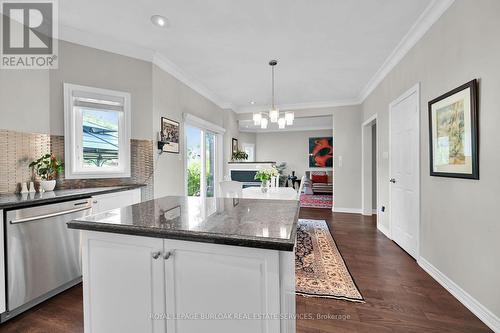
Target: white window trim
{"type": "Point", "coordinates": [71, 135]}
{"type": "Point", "coordinates": [204, 125]}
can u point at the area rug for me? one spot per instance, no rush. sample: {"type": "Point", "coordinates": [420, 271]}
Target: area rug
{"type": "Point", "coordinates": [316, 201]}
{"type": "Point", "coordinates": [320, 270]}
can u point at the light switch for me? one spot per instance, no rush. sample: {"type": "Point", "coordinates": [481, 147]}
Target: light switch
{"type": "Point", "coordinates": [340, 161]}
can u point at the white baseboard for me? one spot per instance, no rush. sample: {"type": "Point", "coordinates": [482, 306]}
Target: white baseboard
{"type": "Point", "coordinates": [374, 212]}
{"type": "Point", "coordinates": [383, 230]}
{"type": "Point", "coordinates": [347, 210]}
{"type": "Point", "coordinates": [485, 315]}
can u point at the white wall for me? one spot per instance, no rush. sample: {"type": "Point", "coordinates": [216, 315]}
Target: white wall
{"type": "Point", "coordinates": [459, 222]}
{"type": "Point", "coordinates": [291, 147]}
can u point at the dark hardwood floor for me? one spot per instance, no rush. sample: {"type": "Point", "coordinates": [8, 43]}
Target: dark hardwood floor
{"type": "Point", "coordinates": [400, 296]}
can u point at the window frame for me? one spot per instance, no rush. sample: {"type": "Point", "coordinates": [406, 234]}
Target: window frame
{"type": "Point", "coordinates": [72, 136]}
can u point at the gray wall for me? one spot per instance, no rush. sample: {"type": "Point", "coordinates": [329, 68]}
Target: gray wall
{"type": "Point", "coordinates": [291, 147]}
{"type": "Point", "coordinates": [32, 101]}
{"type": "Point", "coordinates": [92, 67]}
{"type": "Point", "coordinates": [172, 98]}
{"type": "Point", "coordinates": [459, 222]}
{"type": "Point", "coordinates": [347, 146]}
{"type": "Point", "coordinates": [374, 166]}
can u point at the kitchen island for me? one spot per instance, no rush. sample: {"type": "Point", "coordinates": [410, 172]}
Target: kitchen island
{"type": "Point", "coordinates": [188, 264]}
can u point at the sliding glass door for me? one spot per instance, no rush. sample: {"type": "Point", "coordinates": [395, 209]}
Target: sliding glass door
{"type": "Point", "coordinates": [201, 162]}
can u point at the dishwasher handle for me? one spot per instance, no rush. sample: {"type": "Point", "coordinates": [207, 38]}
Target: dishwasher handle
{"type": "Point", "coordinates": [41, 217]}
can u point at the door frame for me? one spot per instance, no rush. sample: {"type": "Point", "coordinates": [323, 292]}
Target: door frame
{"type": "Point", "coordinates": [413, 90]}
{"type": "Point", "coordinates": [366, 143]}
{"type": "Point", "coordinates": [204, 126]}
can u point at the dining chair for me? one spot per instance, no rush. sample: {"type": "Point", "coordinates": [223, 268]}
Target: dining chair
{"type": "Point", "coordinates": [301, 187]}
{"type": "Point", "coordinates": [231, 189]}
{"type": "Point", "coordinates": [275, 181]}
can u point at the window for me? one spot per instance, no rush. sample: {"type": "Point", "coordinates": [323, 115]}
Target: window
{"type": "Point", "coordinates": [97, 132]}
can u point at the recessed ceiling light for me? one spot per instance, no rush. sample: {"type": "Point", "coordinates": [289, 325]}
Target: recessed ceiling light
{"type": "Point", "coordinates": [252, 102]}
{"type": "Point", "coordinates": [159, 20]}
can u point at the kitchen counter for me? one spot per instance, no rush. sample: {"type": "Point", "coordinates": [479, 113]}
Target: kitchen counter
{"type": "Point", "coordinates": [18, 200]}
{"type": "Point", "coordinates": [176, 258]}
{"type": "Point", "coordinates": [266, 224]}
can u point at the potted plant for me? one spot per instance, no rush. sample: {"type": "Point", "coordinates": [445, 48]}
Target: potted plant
{"type": "Point", "coordinates": [239, 156]}
{"type": "Point", "coordinates": [264, 175]}
{"type": "Point", "coordinates": [47, 168]}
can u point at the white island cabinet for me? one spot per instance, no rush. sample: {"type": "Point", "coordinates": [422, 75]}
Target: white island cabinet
{"type": "Point", "coordinates": [189, 265]}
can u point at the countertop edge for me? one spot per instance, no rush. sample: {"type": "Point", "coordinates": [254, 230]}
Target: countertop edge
{"type": "Point", "coordinates": [193, 236]}
{"type": "Point", "coordinates": [91, 191]}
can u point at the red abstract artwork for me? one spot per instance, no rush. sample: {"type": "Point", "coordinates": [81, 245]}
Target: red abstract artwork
{"type": "Point", "coordinates": [321, 152]}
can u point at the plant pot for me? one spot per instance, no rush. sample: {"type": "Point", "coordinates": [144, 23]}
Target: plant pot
{"type": "Point", "coordinates": [264, 186]}
{"type": "Point", "coordinates": [48, 185]}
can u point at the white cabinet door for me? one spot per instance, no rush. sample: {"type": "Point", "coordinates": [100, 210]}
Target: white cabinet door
{"type": "Point", "coordinates": [219, 280]}
{"type": "Point", "coordinates": [104, 202]}
{"type": "Point", "coordinates": [123, 283]}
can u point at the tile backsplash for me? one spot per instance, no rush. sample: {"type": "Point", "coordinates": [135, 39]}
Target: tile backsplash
{"type": "Point", "coordinates": [19, 149]}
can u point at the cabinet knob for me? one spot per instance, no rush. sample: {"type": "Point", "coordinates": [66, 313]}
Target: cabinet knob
{"type": "Point", "coordinates": [167, 255]}
{"type": "Point", "coordinates": [156, 254]}
{"type": "Point", "coordinates": [95, 201]}
{"type": "Point", "coordinates": [392, 180]}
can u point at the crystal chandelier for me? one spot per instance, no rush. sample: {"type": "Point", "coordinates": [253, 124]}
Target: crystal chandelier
{"type": "Point", "coordinates": [275, 116]}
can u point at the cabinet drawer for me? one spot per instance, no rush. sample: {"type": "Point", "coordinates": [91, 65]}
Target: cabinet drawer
{"type": "Point", "coordinates": [104, 202]}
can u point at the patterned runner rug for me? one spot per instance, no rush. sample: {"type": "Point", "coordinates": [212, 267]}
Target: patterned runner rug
{"type": "Point", "coordinates": [316, 200]}
{"type": "Point", "coordinates": [320, 270]}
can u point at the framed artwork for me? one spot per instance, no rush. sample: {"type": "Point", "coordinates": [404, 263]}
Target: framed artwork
{"type": "Point", "coordinates": [321, 152]}
{"type": "Point", "coordinates": [170, 135]}
{"type": "Point", "coordinates": [453, 133]}
{"type": "Point", "coordinates": [234, 146]}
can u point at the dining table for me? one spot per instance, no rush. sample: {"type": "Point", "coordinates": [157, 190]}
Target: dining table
{"type": "Point", "coordinates": [276, 193]}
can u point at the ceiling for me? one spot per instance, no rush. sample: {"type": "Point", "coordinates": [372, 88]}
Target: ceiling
{"type": "Point", "coordinates": [328, 50]}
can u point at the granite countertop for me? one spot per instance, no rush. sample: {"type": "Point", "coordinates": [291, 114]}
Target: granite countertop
{"type": "Point", "coordinates": [18, 200]}
{"type": "Point", "coordinates": [268, 224]}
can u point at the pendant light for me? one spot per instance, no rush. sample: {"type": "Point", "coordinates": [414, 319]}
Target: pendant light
{"type": "Point", "coordinates": [281, 123]}
{"type": "Point", "coordinates": [274, 113]}
{"type": "Point", "coordinates": [289, 117]}
{"type": "Point", "coordinates": [257, 118]}
{"type": "Point", "coordinates": [263, 123]}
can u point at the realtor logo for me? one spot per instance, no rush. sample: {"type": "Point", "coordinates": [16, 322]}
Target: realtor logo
{"type": "Point", "coordinates": [29, 34]}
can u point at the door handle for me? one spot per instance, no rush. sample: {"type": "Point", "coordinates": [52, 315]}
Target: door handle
{"type": "Point", "coordinates": [167, 255]}
{"type": "Point", "coordinates": [156, 254]}
{"type": "Point", "coordinates": [46, 216]}
{"type": "Point", "coordinates": [392, 180]}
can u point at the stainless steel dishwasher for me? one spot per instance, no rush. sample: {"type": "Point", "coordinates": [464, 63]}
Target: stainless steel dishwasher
{"type": "Point", "coordinates": [43, 255]}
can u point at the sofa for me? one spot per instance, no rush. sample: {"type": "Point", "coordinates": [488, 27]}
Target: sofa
{"type": "Point", "coordinates": [318, 182]}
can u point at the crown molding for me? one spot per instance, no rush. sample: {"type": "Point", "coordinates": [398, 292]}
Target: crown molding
{"type": "Point", "coordinates": [300, 106]}
{"type": "Point", "coordinates": [428, 17]}
{"type": "Point", "coordinates": [165, 64]}
{"type": "Point", "coordinates": [424, 22]}
{"type": "Point", "coordinates": [286, 129]}
{"type": "Point", "coordinates": [110, 44]}
{"type": "Point", "coordinates": [105, 43]}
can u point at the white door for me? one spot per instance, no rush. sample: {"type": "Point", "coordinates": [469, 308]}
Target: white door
{"type": "Point", "coordinates": [209, 279]}
{"type": "Point", "coordinates": [116, 270]}
{"type": "Point", "coordinates": [404, 170]}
